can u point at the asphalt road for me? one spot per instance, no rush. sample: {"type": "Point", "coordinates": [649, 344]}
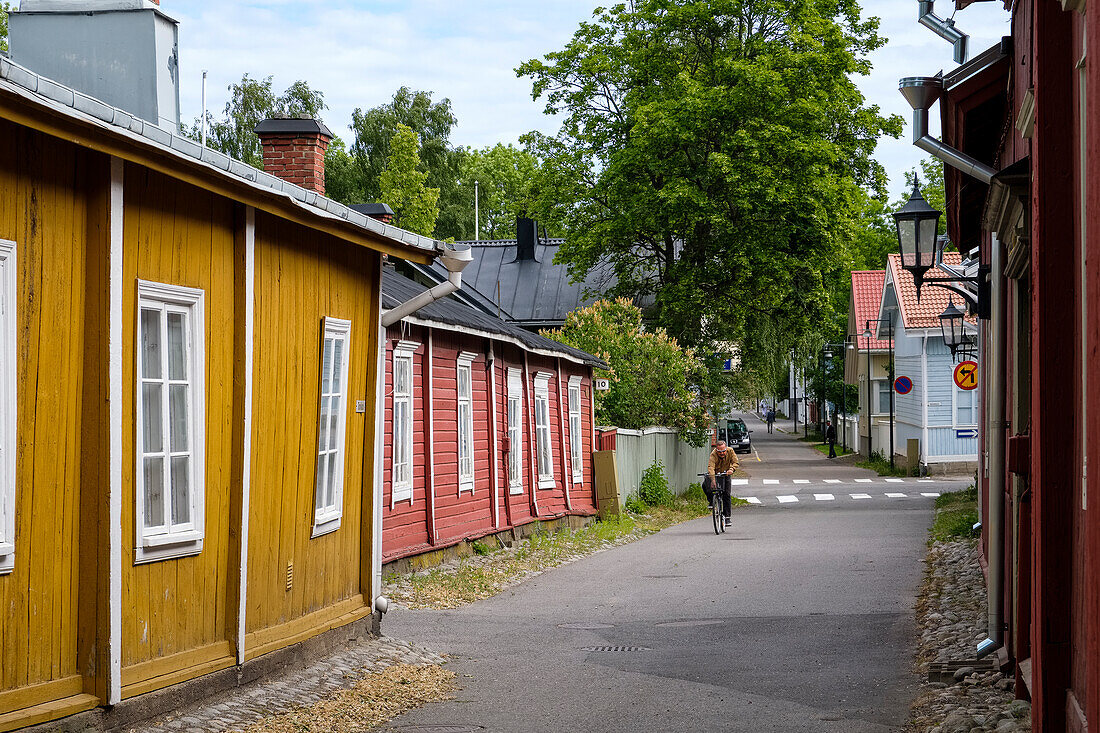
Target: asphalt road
{"type": "Point", "coordinates": [798, 619]}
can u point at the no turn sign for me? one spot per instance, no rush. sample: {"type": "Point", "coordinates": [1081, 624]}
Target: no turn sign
{"type": "Point", "coordinates": [966, 375]}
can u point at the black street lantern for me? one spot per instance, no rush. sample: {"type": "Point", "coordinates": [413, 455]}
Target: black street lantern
{"type": "Point", "coordinates": [951, 326]}
{"type": "Point", "coordinates": [917, 223]}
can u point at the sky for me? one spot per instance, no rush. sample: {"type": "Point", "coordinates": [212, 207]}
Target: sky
{"type": "Point", "coordinates": [358, 52]}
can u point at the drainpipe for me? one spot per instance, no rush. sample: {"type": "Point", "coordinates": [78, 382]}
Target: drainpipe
{"type": "Point", "coordinates": [455, 257]}
{"type": "Point", "coordinates": [944, 28]}
{"type": "Point", "coordinates": [996, 440]}
{"type": "Point", "coordinates": [922, 92]}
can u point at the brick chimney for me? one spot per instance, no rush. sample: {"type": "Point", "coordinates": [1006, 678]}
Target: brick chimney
{"type": "Point", "coordinates": [294, 150]}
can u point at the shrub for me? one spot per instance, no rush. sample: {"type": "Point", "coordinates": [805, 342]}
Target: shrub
{"type": "Point", "coordinates": [653, 488]}
{"type": "Point", "coordinates": [634, 503]}
{"type": "Point", "coordinates": [695, 493]}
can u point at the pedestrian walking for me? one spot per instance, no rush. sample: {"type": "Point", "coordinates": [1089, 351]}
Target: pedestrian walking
{"type": "Point", "coordinates": [771, 418]}
{"type": "Point", "coordinates": [830, 438]}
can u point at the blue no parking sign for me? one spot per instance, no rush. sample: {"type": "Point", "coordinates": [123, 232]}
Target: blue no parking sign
{"type": "Point", "coordinates": [903, 385]}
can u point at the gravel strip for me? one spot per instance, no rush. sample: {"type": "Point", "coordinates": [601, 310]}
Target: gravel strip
{"type": "Point", "coordinates": [951, 617]}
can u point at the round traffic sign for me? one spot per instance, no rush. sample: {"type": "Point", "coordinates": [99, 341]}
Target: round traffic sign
{"type": "Point", "coordinates": [966, 375]}
{"type": "Point", "coordinates": [903, 385]}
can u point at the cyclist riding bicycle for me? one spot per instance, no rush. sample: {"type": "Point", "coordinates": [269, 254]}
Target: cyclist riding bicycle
{"type": "Point", "coordinates": [720, 467]}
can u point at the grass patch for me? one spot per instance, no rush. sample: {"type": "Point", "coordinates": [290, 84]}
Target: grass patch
{"type": "Point", "coordinates": [813, 437]}
{"type": "Point", "coordinates": [881, 465]}
{"type": "Point", "coordinates": [840, 451]}
{"type": "Point", "coordinates": [956, 513]}
{"type": "Point", "coordinates": [485, 575]}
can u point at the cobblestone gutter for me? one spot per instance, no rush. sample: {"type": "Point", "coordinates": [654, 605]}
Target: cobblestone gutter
{"type": "Point", "coordinates": [964, 694]}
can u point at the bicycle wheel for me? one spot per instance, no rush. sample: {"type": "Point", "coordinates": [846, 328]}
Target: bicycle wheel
{"type": "Point", "coordinates": [716, 512]}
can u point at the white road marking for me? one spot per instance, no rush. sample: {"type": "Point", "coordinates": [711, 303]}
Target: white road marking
{"type": "Point", "coordinates": [895, 495]}
{"type": "Point", "coordinates": [787, 499]}
{"type": "Point", "coordinates": [770, 481]}
{"type": "Point", "coordinates": [864, 480]}
{"type": "Point", "coordinates": [926, 480]}
{"type": "Point", "coordinates": [860, 496]}
{"type": "Point", "coordinates": [801, 481]}
{"type": "Point", "coordinates": [930, 494]}
{"type": "Point", "coordinates": [739, 482]}
{"type": "Point", "coordinates": [895, 481]}
{"type": "Point", "coordinates": [833, 481]}
{"type": "Point", "coordinates": [751, 499]}
{"type": "Point", "coordinates": [824, 497]}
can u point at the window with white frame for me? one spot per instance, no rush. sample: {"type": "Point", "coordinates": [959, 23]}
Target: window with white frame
{"type": "Point", "coordinates": [882, 392]}
{"type": "Point", "coordinates": [8, 347]}
{"type": "Point", "coordinates": [544, 451]}
{"type": "Point", "coordinates": [966, 410]}
{"type": "Point", "coordinates": [403, 421]}
{"type": "Point", "coordinates": [515, 431]}
{"type": "Point", "coordinates": [328, 494]}
{"type": "Point", "coordinates": [171, 422]}
{"type": "Point", "coordinates": [465, 422]}
{"type": "Point", "coordinates": [576, 435]}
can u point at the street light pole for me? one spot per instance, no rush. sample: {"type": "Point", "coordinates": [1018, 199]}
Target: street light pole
{"type": "Point", "coordinates": [891, 385]}
{"type": "Point", "coordinates": [870, 410]}
{"type": "Point", "coordinates": [890, 375]}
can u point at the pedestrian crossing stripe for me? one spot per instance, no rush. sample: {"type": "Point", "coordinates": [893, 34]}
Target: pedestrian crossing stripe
{"type": "Point", "coordinates": [801, 481]}
{"type": "Point", "coordinates": [894, 495]}
{"type": "Point", "coordinates": [787, 499]}
{"type": "Point", "coordinates": [770, 481]}
{"type": "Point", "coordinates": [895, 480]}
{"type": "Point", "coordinates": [824, 497]}
{"type": "Point", "coordinates": [752, 500]}
{"type": "Point", "coordinates": [739, 482]}
{"type": "Point", "coordinates": [833, 481]}
{"type": "Point", "coordinates": [930, 494]}
{"type": "Point", "coordinates": [864, 480]}
{"type": "Point", "coordinates": [860, 496]}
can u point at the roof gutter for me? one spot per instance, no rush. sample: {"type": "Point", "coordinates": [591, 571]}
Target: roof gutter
{"type": "Point", "coordinates": [922, 92]}
{"type": "Point", "coordinates": [455, 257]}
{"type": "Point", "coordinates": [944, 28]}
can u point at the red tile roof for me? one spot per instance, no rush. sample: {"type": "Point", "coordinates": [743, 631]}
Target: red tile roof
{"type": "Point", "coordinates": [866, 297]}
{"type": "Point", "coordinates": [924, 313]}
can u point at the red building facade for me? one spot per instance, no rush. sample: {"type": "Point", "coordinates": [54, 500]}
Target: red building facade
{"type": "Point", "coordinates": [488, 427]}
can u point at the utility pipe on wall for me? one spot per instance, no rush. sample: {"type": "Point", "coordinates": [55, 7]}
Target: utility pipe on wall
{"type": "Point", "coordinates": [996, 441]}
{"type": "Point", "coordinates": [922, 92]}
{"type": "Point", "coordinates": [455, 257]}
{"type": "Point", "coordinates": [944, 28]}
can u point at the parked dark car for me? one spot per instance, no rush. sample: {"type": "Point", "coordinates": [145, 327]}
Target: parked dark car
{"type": "Point", "coordinates": [739, 438]}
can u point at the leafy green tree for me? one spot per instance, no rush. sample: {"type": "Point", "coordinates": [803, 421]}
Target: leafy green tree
{"type": "Point", "coordinates": [432, 122]}
{"type": "Point", "coordinates": [5, 7]}
{"type": "Point", "coordinates": [403, 185]}
{"type": "Point", "coordinates": [504, 175]}
{"type": "Point", "coordinates": [653, 380]}
{"type": "Point", "coordinates": [713, 152]}
{"type": "Point", "coordinates": [342, 180]}
{"type": "Point", "coordinates": [252, 101]}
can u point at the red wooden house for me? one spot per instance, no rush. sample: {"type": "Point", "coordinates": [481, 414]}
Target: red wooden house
{"type": "Point", "coordinates": [489, 427]}
{"type": "Point", "coordinates": [1026, 113]}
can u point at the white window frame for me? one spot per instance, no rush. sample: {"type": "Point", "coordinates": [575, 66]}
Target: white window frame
{"type": "Point", "coordinates": [163, 542]}
{"type": "Point", "coordinates": [972, 395]}
{"type": "Point", "coordinates": [515, 431]}
{"type": "Point", "coordinates": [9, 282]}
{"type": "Point", "coordinates": [466, 465]}
{"type": "Point", "coordinates": [544, 445]}
{"type": "Point", "coordinates": [326, 516]}
{"type": "Point", "coordinates": [402, 489]}
{"type": "Point", "coordinates": [576, 430]}
{"type": "Point", "coordinates": [881, 390]}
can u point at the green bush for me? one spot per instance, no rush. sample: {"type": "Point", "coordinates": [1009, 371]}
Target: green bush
{"type": "Point", "coordinates": [653, 488]}
{"type": "Point", "coordinates": [480, 548]}
{"type": "Point", "coordinates": [695, 493]}
{"type": "Point", "coordinates": [634, 503]}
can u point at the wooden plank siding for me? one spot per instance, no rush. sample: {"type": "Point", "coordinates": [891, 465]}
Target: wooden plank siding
{"type": "Point", "coordinates": [436, 501]}
{"type": "Point", "coordinates": [177, 234]}
{"type": "Point", "coordinates": [45, 211]}
{"type": "Point", "coordinates": [302, 277]}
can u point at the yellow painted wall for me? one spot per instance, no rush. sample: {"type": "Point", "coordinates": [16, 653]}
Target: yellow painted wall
{"type": "Point", "coordinates": [176, 233]}
{"type": "Point", "coordinates": [302, 277]}
{"type": "Point", "coordinates": [47, 216]}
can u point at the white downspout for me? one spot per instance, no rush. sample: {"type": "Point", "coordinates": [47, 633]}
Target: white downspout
{"type": "Point", "coordinates": [567, 473]}
{"type": "Point", "coordinates": [494, 436]}
{"type": "Point", "coordinates": [454, 258]}
{"type": "Point", "coordinates": [922, 92]}
{"type": "Point", "coordinates": [925, 452]}
{"type": "Point", "coordinates": [996, 442]}
{"type": "Point", "coordinates": [430, 379]}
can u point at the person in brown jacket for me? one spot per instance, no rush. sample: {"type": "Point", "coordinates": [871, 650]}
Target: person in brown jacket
{"type": "Point", "coordinates": [720, 467]}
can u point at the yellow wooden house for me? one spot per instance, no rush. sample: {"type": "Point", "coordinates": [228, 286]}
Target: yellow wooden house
{"type": "Point", "coordinates": [189, 353]}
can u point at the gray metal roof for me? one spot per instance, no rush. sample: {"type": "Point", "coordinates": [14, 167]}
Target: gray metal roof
{"type": "Point", "coordinates": [62, 100]}
{"type": "Point", "coordinates": [452, 313]}
{"type": "Point", "coordinates": [536, 293]}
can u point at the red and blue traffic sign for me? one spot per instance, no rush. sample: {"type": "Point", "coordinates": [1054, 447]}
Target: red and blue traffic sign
{"type": "Point", "coordinates": [903, 385]}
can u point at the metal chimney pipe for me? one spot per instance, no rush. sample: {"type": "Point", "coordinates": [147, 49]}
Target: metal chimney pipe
{"type": "Point", "coordinates": [945, 29]}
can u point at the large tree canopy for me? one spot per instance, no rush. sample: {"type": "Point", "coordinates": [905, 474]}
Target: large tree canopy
{"type": "Point", "coordinates": [4, 8]}
{"type": "Point", "coordinates": [503, 174]}
{"type": "Point", "coordinates": [403, 185]}
{"type": "Point", "coordinates": [715, 153]}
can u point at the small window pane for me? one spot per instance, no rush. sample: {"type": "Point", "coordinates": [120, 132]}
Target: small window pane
{"type": "Point", "coordinates": [401, 378]}
{"type": "Point", "coordinates": [337, 360]}
{"type": "Point", "coordinates": [181, 491]}
{"type": "Point", "coordinates": [177, 366]}
{"type": "Point", "coordinates": [322, 431]}
{"type": "Point", "coordinates": [154, 492]}
{"type": "Point", "coordinates": [150, 344]}
{"type": "Point", "coordinates": [326, 368]}
{"type": "Point", "coordinates": [319, 489]}
{"type": "Point", "coordinates": [151, 418]}
{"type": "Point", "coordinates": [177, 416]}
{"type": "Point", "coordinates": [330, 496]}
{"type": "Point", "coordinates": [333, 420]}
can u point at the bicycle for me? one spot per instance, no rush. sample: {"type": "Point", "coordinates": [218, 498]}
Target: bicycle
{"type": "Point", "coordinates": [716, 507]}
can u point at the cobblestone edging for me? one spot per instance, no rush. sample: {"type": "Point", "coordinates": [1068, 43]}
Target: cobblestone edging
{"type": "Point", "coordinates": [296, 687]}
{"type": "Point", "coordinates": [951, 619]}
